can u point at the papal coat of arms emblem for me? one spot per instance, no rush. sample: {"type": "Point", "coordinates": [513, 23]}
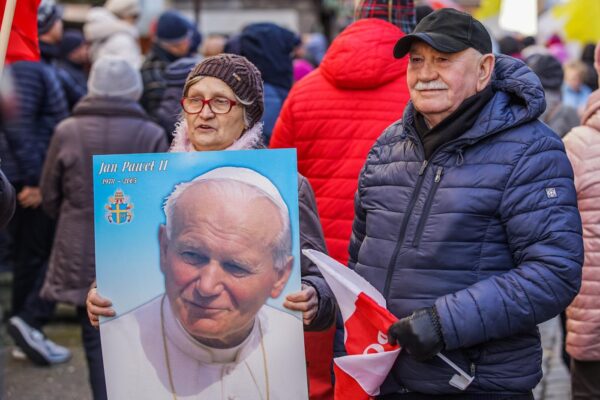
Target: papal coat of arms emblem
{"type": "Point", "coordinates": [119, 209]}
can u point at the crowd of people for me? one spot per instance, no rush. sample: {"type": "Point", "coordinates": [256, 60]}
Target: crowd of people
{"type": "Point", "coordinates": [460, 181]}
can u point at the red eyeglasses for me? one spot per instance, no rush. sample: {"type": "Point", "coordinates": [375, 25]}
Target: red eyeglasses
{"type": "Point", "coordinates": [218, 105]}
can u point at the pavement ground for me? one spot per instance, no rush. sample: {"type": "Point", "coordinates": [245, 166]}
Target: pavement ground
{"type": "Point", "coordinates": [22, 380]}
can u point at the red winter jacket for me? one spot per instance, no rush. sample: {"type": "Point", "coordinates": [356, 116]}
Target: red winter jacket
{"type": "Point", "coordinates": [334, 115]}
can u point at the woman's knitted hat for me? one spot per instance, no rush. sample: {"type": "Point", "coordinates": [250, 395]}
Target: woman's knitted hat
{"type": "Point", "coordinates": [240, 75]}
{"type": "Point", "coordinates": [113, 76]}
{"type": "Point", "coordinates": [47, 14]}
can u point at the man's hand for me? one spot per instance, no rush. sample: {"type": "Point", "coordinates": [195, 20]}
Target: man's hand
{"type": "Point", "coordinates": [306, 301]}
{"type": "Point", "coordinates": [97, 306]}
{"type": "Point", "coordinates": [420, 334]}
{"type": "Point", "coordinates": [30, 196]}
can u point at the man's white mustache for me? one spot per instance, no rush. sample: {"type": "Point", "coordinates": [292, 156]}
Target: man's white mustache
{"type": "Point", "coordinates": [431, 85]}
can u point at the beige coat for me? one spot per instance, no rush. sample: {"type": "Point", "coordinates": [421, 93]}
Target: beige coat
{"type": "Point", "coordinates": [583, 148]}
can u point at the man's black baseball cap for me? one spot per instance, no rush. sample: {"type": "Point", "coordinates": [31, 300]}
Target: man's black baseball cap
{"type": "Point", "coordinates": [449, 31]}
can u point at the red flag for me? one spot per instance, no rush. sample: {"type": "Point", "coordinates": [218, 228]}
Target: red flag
{"type": "Point", "coordinates": [366, 321]}
{"type": "Point", "coordinates": [23, 42]}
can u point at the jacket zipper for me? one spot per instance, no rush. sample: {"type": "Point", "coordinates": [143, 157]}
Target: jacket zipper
{"type": "Point", "coordinates": [427, 207]}
{"type": "Point", "coordinates": [402, 233]}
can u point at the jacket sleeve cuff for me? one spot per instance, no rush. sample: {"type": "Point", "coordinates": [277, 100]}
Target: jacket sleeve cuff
{"type": "Point", "coordinates": [326, 304]}
{"type": "Point", "coordinates": [31, 180]}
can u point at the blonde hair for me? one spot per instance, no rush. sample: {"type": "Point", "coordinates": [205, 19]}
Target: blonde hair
{"type": "Point", "coordinates": [578, 67]}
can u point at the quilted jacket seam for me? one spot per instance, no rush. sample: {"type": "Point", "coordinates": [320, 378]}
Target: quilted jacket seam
{"type": "Point", "coordinates": [485, 335]}
{"type": "Point", "coordinates": [516, 168]}
{"type": "Point", "coordinates": [528, 299]}
{"type": "Point", "coordinates": [548, 285]}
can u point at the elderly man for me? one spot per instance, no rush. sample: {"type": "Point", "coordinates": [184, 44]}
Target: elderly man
{"type": "Point", "coordinates": [225, 249]}
{"type": "Point", "coordinates": [466, 218]}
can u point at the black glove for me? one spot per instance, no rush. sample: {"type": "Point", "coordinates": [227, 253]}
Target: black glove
{"type": "Point", "coordinates": [420, 333]}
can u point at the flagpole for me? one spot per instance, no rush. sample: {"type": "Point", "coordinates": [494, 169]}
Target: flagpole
{"type": "Point", "coordinates": [9, 12]}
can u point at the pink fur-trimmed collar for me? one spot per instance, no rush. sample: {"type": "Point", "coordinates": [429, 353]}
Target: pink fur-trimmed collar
{"type": "Point", "coordinates": [251, 139]}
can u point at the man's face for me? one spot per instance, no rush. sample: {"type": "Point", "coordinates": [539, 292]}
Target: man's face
{"type": "Point", "coordinates": [440, 82]}
{"type": "Point", "coordinates": [218, 263]}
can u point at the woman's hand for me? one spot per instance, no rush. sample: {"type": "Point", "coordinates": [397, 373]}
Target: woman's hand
{"type": "Point", "coordinates": [306, 301]}
{"type": "Point", "coordinates": [97, 306]}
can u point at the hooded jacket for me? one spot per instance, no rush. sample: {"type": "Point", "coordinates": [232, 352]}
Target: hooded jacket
{"type": "Point", "coordinates": [334, 115]}
{"type": "Point", "coordinates": [583, 148]}
{"type": "Point", "coordinates": [25, 136]}
{"type": "Point", "coordinates": [98, 126]}
{"type": "Point", "coordinates": [270, 47]}
{"type": "Point", "coordinates": [487, 231]}
{"type": "Point", "coordinates": [108, 35]}
{"type": "Point", "coordinates": [153, 76]}
{"type": "Point", "coordinates": [73, 89]}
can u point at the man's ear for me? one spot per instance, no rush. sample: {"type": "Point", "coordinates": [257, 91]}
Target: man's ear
{"type": "Point", "coordinates": [484, 73]}
{"type": "Point", "coordinates": [282, 277]}
{"type": "Point", "coordinates": [163, 243]}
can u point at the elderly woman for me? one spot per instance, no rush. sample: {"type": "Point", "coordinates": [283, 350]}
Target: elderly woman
{"type": "Point", "coordinates": [222, 108]}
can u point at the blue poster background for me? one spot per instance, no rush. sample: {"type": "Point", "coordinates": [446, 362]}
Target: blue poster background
{"type": "Point", "coordinates": [127, 253]}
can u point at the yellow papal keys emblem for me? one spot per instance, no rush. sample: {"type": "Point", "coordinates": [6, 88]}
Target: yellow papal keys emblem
{"type": "Point", "coordinates": [119, 209]}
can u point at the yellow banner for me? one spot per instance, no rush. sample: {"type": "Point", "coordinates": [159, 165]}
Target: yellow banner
{"type": "Point", "coordinates": [581, 20]}
{"type": "Point", "coordinates": [487, 9]}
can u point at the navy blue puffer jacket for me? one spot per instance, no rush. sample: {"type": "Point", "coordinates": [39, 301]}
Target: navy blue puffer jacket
{"type": "Point", "coordinates": [487, 230]}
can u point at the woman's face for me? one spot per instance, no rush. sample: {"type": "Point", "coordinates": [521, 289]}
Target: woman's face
{"type": "Point", "coordinates": [210, 131]}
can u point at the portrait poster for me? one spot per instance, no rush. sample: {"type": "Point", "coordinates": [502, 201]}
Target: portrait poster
{"type": "Point", "coordinates": [197, 252]}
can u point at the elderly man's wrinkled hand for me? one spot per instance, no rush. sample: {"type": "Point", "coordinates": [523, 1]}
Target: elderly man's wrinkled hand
{"type": "Point", "coordinates": [306, 300]}
{"type": "Point", "coordinates": [98, 306]}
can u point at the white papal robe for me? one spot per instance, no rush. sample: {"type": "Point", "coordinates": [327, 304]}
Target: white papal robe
{"type": "Point", "coordinates": [135, 367]}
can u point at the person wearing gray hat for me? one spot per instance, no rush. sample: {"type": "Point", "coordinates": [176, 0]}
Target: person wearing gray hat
{"type": "Point", "coordinates": [466, 219]}
{"type": "Point", "coordinates": [111, 76]}
{"type": "Point", "coordinates": [108, 120]}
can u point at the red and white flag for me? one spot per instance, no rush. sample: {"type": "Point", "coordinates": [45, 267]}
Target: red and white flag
{"type": "Point", "coordinates": [366, 321]}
